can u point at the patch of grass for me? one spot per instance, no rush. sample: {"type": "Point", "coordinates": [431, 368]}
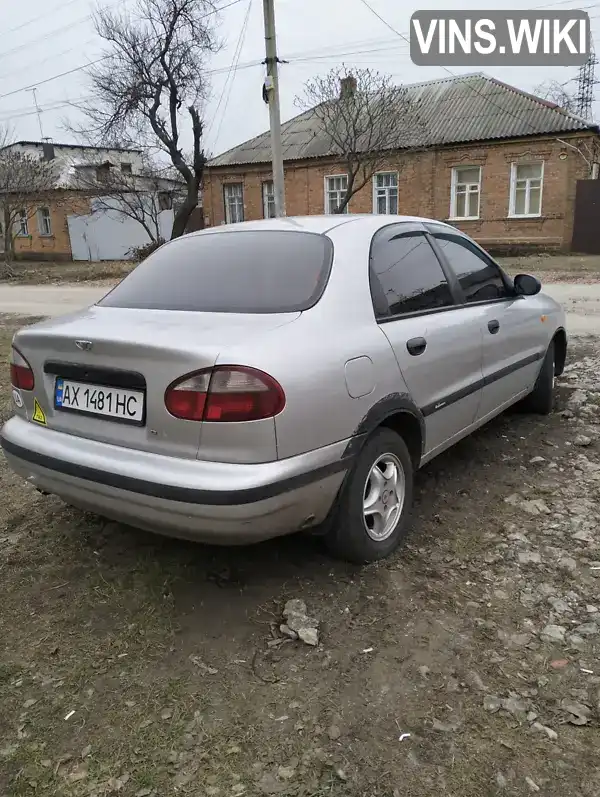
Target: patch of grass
{"type": "Point", "coordinates": [26, 273]}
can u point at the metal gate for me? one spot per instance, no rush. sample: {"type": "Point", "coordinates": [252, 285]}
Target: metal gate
{"type": "Point", "coordinates": [586, 223]}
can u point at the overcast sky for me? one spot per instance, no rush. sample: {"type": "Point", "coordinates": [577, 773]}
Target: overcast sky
{"type": "Point", "coordinates": [44, 38]}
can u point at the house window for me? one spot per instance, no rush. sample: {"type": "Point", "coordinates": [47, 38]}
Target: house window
{"type": "Point", "coordinates": [526, 180]}
{"type": "Point", "coordinates": [165, 201]}
{"type": "Point", "coordinates": [233, 194]}
{"type": "Point", "coordinates": [126, 168]}
{"type": "Point", "coordinates": [268, 197]}
{"type": "Point", "coordinates": [102, 171]}
{"type": "Point", "coordinates": [465, 192]}
{"type": "Point", "coordinates": [44, 222]}
{"type": "Point", "coordinates": [335, 190]}
{"type": "Point", "coordinates": [385, 188]}
{"type": "Point", "coordinates": [22, 223]}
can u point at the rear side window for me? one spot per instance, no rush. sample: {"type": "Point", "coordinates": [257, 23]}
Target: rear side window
{"type": "Point", "coordinates": [406, 276]}
{"type": "Point", "coordinates": [479, 277]}
{"type": "Point", "coordinates": [262, 271]}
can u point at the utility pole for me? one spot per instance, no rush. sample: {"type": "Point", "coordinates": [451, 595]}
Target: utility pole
{"type": "Point", "coordinates": [272, 91]}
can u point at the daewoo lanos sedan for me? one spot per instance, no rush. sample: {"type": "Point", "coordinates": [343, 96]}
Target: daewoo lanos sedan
{"type": "Point", "coordinates": [257, 379]}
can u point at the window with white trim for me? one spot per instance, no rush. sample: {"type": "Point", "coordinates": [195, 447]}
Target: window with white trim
{"type": "Point", "coordinates": [22, 223]}
{"type": "Point", "coordinates": [44, 221]}
{"type": "Point", "coordinates": [268, 198]}
{"type": "Point", "coordinates": [465, 192]}
{"type": "Point", "coordinates": [335, 191]}
{"type": "Point", "coordinates": [385, 192]}
{"type": "Point", "coordinates": [233, 194]}
{"type": "Point", "coordinates": [526, 182]}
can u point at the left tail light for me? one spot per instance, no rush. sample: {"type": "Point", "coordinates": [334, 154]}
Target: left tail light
{"type": "Point", "coordinates": [225, 393]}
{"type": "Point", "coordinates": [21, 375]}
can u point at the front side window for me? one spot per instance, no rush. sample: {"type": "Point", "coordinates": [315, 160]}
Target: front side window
{"type": "Point", "coordinates": [406, 276]}
{"type": "Point", "coordinates": [233, 194]}
{"type": "Point", "coordinates": [44, 221]}
{"type": "Point", "coordinates": [526, 189]}
{"type": "Point", "coordinates": [385, 187]}
{"type": "Point", "coordinates": [335, 191]}
{"type": "Point", "coordinates": [22, 223]}
{"type": "Point", "coordinates": [245, 271]}
{"type": "Point", "coordinates": [479, 277]}
{"type": "Point", "coordinates": [268, 197]}
{"type": "Point", "coordinates": [466, 192]}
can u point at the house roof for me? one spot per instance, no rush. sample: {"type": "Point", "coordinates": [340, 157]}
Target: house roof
{"type": "Point", "coordinates": [69, 146]}
{"type": "Point", "coordinates": [461, 109]}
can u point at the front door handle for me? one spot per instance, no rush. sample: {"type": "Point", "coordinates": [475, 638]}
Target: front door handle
{"type": "Point", "coordinates": [416, 346]}
{"type": "Point", "coordinates": [493, 326]}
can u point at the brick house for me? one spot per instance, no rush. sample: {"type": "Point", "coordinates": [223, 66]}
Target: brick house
{"type": "Point", "coordinates": [43, 228]}
{"type": "Point", "coordinates": [500, 164]}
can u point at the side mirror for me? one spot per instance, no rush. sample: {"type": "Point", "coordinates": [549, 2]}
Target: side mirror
{"type": "Point", "coordinates": [526, 285]}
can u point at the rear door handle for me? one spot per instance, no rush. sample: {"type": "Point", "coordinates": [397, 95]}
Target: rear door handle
{"type": "Point", "coordinates": [493, 326]}
{"type": "Point", "coordinates": [416, 346]}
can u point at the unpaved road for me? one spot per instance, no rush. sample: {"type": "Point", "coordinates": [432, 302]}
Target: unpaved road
{"type": "Point", "coordinates": [582, 301]}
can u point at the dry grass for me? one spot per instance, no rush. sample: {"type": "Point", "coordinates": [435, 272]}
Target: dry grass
{"type": "Point", "coordinates": [41, 273]}
{"type": "Point", "coordinates": [555, 268]}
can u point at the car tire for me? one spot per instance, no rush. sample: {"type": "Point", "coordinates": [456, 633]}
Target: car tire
{"type": "Point", "coordinates": [360, 532]}
{"type": "Point", "coordinates": [541, 398]}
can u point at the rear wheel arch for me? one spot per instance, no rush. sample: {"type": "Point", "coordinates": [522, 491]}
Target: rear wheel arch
{"type": "Point", "coordinates": [399, 413]}
{"type": "Point", "coordinates": [560, 351]}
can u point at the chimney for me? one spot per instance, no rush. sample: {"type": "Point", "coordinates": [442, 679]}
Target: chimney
{"type": "Point", "coordinates": [347, 86]}
{"type": "Point", "coordinates": [48, 150]}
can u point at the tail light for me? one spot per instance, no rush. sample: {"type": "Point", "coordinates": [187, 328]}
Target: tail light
{"type": "Point", "coordinates": [225, 393]}
{"type": "Point", "coordinates": [21, 375]}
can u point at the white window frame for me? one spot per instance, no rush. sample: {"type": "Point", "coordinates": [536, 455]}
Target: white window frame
{"type": "Point", "coordinates": [327, 192]}
{"type": "Point", "coordinates": [268, 198]}
{"type": "Point", "coordinates": [387, 191]}
{"type": "Point", "coordinates": [513, 190]}
{"type": "Point", "coordinates": [454, 183]}
{"type": "Point", "coordinates": [23, 224]}
{"type": "Point", "coordinates": [41, 217]}
{"type": "Point", "coordinates": [226, 204]}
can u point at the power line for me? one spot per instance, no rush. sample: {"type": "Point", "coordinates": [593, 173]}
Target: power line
{"type": "Point", "coordinates": [97, 60]}
{"type": "Point", "coordinates": [53, 33]}
{"type": "Point", "coordinates": [233, 67]}
{"type": "Point", "coordinates": [31, 20]}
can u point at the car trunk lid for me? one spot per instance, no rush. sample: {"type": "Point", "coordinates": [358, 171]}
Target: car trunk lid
{"type": "Point", "coordinates": [134, 353]}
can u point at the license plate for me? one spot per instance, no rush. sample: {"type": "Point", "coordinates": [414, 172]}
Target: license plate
{"type": "Point", "coordinates": [106, 402]}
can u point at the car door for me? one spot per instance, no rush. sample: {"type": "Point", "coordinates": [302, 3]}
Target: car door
{"type": "Point", "coordinates": [438, 345]}
{"type": "Point", "coordinates": [514, 340]}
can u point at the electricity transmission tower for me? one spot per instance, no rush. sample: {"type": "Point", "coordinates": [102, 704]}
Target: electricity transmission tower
{"type": "Point", "coordinates": [586, 81]}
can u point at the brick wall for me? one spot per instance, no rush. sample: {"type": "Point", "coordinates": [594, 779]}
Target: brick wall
{"type": "Point", "coordinates": [425, 185]}
{"type": "Point", "coordinates": [57, 245]}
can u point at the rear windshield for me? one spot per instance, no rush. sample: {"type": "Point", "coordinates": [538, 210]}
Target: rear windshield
{"type": "Point", "coordinates": [265, 271]}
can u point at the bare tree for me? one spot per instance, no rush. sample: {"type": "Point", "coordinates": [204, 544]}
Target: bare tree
{"type": "Point", "coordinates": [151, 85]}
{"type": "Point", "coordinates": [25, 182]}
{"type": "Point", "coordinates": [363, 116]}
{"type": "Point", "coordinates": [140, 195]}
{"type": "Point", "coordinates": [559, 94]}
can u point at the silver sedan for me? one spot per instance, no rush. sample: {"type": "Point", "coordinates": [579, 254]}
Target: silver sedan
{"type": "Point", "coordinates": [264, 378]}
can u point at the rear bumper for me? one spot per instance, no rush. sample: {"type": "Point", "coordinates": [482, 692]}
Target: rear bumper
{"type": "Point", "coordinates": [225, 503]}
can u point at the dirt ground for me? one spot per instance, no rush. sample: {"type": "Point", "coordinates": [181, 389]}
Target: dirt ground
{"type": "Point", "coordinates": [555, 268]}
{"type": "Point", "coordinates": [465, 665]}
{"type": "Point", "coordinates": [550, 268]}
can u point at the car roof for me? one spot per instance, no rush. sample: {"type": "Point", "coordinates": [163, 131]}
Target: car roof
{"type": "Point", "coordinates": [317, 224]}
